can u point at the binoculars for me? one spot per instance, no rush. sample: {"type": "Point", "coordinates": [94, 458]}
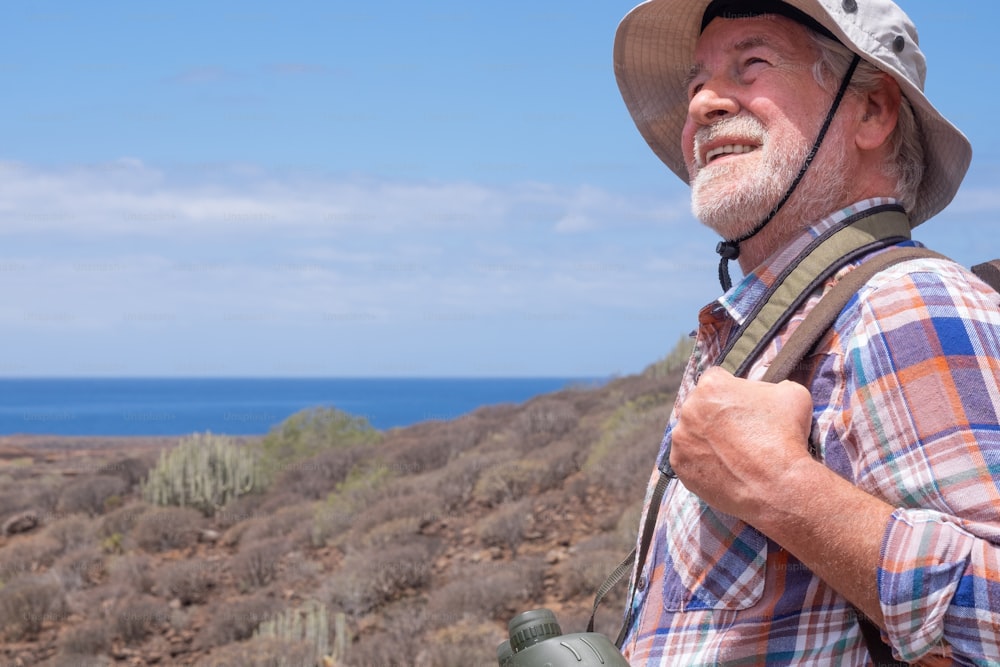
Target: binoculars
{"type": "Point", "coordinates": [536, 640]}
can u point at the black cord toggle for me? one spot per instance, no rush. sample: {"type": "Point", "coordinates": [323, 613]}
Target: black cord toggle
{"type": "Point", "coordinates": [728, 249]}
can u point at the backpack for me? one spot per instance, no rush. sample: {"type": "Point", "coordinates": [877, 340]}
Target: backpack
{"type": "Point", "coordinates": [860, 235]}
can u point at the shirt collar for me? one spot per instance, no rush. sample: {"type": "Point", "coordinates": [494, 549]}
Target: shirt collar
{"type": "Point", "coordinates": [739, 301]}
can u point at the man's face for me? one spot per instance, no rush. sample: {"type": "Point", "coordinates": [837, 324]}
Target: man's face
{"type": "Point", "coordinates": [755, 109]}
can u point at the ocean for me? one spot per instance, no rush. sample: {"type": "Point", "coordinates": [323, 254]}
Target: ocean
{"type": "Point", "coordinates": [244, 406]}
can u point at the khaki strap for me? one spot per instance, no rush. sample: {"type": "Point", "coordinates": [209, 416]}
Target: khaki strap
{"type": "Point", "coordinates": [801, 343]}
{"type": "Point", "coordinates": [989, 273]}
{"type": "Point", "coordinates": [817, 263]}
{"type": "Point", "coordinates": [819, 320]}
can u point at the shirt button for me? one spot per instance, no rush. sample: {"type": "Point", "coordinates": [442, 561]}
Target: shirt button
{"type": "Point", "coordinates": [641, 584]}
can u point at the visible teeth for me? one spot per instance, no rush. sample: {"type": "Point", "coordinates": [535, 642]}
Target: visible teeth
{"type": "Point", "coordinates": [729, 148]}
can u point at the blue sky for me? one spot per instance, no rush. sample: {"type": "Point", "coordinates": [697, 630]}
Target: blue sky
{"type": "Point", "coordinates": [397, 189]}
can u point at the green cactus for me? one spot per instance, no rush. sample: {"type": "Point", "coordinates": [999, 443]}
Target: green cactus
{"type": "Point", "coordinates": [308, 624]}
{"type": "Point", "coordinates": [204, 471]}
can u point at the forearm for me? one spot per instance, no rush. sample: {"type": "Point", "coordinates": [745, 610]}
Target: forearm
{"type": "Point", "coordinates": [833, 527]}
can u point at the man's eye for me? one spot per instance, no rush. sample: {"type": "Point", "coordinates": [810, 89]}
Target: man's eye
{"type": "Point", "coordinates": [754, 61]}
{"type": "Point", "coordinates": [695, 89]}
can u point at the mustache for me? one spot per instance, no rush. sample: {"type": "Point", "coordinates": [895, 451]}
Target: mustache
{"type": "Point", "coordinates": [737, 127]}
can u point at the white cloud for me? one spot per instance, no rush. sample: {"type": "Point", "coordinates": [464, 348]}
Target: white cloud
{"type": "Point", "coordinates": [148, 269]}
{"type": "Point", "coordinates": [129, 197]}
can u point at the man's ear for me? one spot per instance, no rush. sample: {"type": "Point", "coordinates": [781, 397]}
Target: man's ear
{"type": "Point", "coordinates": [880, 113]}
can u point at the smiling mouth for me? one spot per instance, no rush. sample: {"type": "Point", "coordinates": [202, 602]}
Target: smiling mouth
{"type": "Point", "coordinates": [728, 149]}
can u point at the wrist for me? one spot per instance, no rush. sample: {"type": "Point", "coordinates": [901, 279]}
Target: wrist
{"type": "Point", "coordinates": [788, 499]}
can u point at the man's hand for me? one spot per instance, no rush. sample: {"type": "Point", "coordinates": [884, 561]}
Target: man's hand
{"type": "Point", "coordinates": [735, 438]}
{"type": "Point", "coordinates": [742, 447]}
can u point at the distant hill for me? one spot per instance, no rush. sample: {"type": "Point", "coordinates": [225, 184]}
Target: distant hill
{"type": "Point", "coordinates": [407, 547]}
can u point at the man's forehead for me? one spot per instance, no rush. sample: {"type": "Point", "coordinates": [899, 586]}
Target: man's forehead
{"type": "Point", "coordinates": [735, 35]}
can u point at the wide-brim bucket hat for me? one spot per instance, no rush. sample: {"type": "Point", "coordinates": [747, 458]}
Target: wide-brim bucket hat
{"type": "Point", "coordinates": [654, 50]}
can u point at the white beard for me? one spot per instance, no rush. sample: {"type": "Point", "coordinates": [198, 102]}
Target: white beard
{"type": "Point", "coordinates": [735, 196]}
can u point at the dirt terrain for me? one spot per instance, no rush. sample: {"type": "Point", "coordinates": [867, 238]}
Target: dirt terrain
{"type": "Point", "coordinates": [407, 547]}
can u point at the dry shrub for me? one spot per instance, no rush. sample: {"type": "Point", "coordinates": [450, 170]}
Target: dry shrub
{"type": "Point", "coordinates": [15, 501]}
{"type": "Point", "coordinates": [423, 448]}
{"type": "Point", "coordinates": [467, 431]}
{"type": "Point", "coordinates": [81, 568]}
{"type": "Point", "coordinates": [265, 526]}
{"type": "Point", "coordinates": [130, 470]}
{"type": "Point", "coordinates": [584, 572]}
{"type": "Point", "coordinates": [396, 531]}
{"type": "Point", "coordinates": [626, 474]}
{"type": "Point", "coordinates": [544, 419]}
{"type": "Point", "coordinates": [239, 510]}
{"type": "Point", "coordinates": [135, 619]}
{"type": "Point", "coordinates": [233, 536]}
{"type": "Point", "coordinates": [331, 524]}
{"type": "Point", "coordinates": [190, 581]}
{"type": "Point", "coordinates": [407, 629]}
{"type": "Point", "coordinates": [256, 565]}
{"type": "Point", "coordinates": [399, 624]}
{"type": "Point", "coordinates": [384, 648]}
{"type": "Point", "coordinates": [418, 507]}
{"type": "Point", "coordinates": [165, 528]}
{"type": "Point", "coordinates": [455, 482]}
{"type": "Point", "coordinates": [71, 531]}
{"type": "Point", "coordinates": [560, 461]}
{"type": "Point", "coordinates": [315, 477]}
{"type": "Point", "coordinates": [463, 645]}
{"type": "Point", "coordinates": [364, 487]}
{"type": "Point", "coordinates": [299, 571]}
{"type": "Point", "coordinates": [235, 620]}
{"type": "Point", "coordinates": [26, 603]}
{"type": "Point", "coordinates": [293, 522]}
{"type": "Point", "coordinates": [261, 652]}
{"type": "Point", "coordinates": [493, 418]}
{"type": "Point", "coordinates": [627, 528]}
{"type": "Point", "coordinates": [132, 572]}
{"type": "Point", "coordinates": [623, 457]}
{"type": "Point", "coordinates": [39, 493]}
{"type": "Point", "coordinates": [28, 554]}
{"type": "Point", "coordinates": [509, 481]}
{"type": "Point", "coordinates": [121, 521]}
{"type": "Point", "coordinates": [87, 639]}
{"type": "Point", "coordinates": [77, 660]}
{"type": "Point", "coordinates": [489, 591]}
{"type": "Point", "coordinates": [88, 494]}
{"type": "Point", "coordinates": [505, 527]}
{"type": "Point", "coordinates": [369, 579]}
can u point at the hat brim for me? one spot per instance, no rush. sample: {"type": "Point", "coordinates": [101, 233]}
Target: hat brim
{"type": "Point", "coordinates": [653, 54]}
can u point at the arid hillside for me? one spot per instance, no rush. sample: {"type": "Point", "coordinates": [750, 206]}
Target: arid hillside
{"type": "Point", "coordinates": [326, 542]}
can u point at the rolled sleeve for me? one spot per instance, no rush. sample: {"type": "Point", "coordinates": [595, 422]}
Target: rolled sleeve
{"type": "Point", "coordinates": [939, 586]}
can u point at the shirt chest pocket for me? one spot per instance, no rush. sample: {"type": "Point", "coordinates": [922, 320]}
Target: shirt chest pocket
{"type": "Point", "coordinates": [712, 560]}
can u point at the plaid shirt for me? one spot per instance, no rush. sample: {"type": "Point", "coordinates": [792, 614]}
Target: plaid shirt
{"type": "Point", "coordinates": [906, 399]}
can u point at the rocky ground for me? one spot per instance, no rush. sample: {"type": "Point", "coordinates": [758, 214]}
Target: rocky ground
{"type": "Point", "coordinates": [414, 549]}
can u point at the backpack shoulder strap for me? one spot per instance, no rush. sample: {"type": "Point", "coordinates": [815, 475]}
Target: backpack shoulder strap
{"type": "Point", "coordinates": [989, 273]}
{"type": "Point", "coordinates": [801, 342]}
{"type": "Point", "coordinates": [821, 317]}
{"type": "Point", "coordinates": [858, 236]}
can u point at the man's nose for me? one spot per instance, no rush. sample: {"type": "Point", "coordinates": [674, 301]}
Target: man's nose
{"type": "Point", "coordinates": [711, 103]}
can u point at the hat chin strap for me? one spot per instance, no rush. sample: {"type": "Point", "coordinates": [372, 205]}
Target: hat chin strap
{"type": "Point", "coordinates": [730, 249]}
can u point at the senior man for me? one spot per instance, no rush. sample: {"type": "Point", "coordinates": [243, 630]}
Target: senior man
{"type": "Point", "coordinates": [870, 488]}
